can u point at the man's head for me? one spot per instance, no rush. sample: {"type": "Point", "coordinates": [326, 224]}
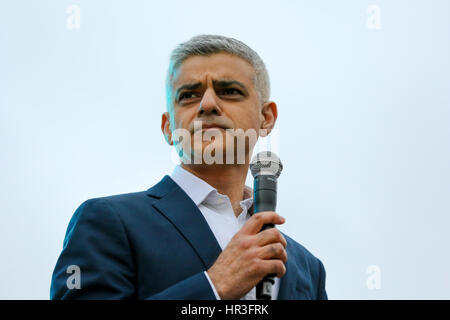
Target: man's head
{"type": "Point", "coordinates": [223, 83]}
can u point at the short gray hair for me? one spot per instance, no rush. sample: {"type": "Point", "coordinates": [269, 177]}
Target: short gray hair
{"type": "Point", "coordinates": [205, 45]}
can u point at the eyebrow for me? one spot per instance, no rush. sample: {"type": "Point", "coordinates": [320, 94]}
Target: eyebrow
{"type": "Point", "coordinates": [216, 83]}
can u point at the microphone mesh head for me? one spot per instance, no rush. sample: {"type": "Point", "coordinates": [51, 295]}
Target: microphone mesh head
{"type": "Point", "coordinates": [266, 163]}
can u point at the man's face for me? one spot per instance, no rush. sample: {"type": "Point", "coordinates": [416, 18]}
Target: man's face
{"type": "Point", "coordinates": [219, 91]}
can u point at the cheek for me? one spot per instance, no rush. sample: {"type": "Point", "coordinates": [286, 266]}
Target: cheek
{"type": "Point", "coordinates": [247, 120]}
{"type": "Point", "coordinates": [182, 118]}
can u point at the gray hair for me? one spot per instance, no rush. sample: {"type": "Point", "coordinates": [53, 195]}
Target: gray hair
{"type": "Point", "coordinates": [206, 44]}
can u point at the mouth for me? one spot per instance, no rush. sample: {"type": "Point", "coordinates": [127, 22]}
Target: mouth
{"type": "Point", "coordinates": [212, 126]}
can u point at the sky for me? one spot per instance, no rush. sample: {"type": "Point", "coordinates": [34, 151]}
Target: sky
{"type": "Point", "coordinates": [363, 94]}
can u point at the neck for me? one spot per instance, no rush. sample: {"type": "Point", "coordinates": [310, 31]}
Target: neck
{"type": "Point", "coordinates": [229, 180]}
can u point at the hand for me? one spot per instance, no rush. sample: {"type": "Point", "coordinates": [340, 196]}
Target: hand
{"type": "Point", "coordinates": [249, 257]}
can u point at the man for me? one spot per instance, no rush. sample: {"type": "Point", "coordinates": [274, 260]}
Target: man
{"type": "Point", "coordinates": [193, 235]}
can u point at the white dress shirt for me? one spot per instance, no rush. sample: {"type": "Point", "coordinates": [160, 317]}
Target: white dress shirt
{"type": "Point", "coordinates": [219, 214]}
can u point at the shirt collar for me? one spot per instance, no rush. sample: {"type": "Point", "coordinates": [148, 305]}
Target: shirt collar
{"type": "Point", "coordinates": [198, 190]}
{"type": "Point", "coordinates": [195, 188]}
{"type": "Point", "coordinates": [248, 198]}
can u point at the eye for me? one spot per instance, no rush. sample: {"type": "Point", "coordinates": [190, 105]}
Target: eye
{"type": "Point", "coordinates": [230, 91]}
{"type": "Point", "coordinates": [186, 95]}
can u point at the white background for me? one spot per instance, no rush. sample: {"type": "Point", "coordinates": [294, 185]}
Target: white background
{"type": "Point", "coordinates": [363, 123]}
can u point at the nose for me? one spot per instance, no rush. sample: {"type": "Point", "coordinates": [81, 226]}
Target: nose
{"type": "Point", "coordinates": [208, 104]}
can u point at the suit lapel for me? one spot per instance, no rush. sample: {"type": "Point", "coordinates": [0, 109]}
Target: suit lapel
{"type": "Point", "coordinates": [289, 281]}
{"type": "Point", "coordinates": [183, 213]}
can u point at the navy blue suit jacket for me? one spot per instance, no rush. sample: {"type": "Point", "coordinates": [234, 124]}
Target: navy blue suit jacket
{"type": "Point", "coordinates": [156, 244]}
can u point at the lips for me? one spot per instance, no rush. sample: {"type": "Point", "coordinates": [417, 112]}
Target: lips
{"type": "Point", "coordinates": [208, 126]}
{"type": "Point", "coordinates": [211, 126]}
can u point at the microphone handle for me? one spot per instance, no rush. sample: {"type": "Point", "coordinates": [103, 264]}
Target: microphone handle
{"type": "Point", "coordinates": [265, 199]}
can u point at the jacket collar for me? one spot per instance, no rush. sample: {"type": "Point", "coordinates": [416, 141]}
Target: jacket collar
{"type": "Point", "coordinates": [288, 282]}
{"type": "Point", "coordinates": [183, 213]}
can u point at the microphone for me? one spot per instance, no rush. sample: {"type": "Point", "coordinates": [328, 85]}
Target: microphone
{"type": "Point", "coordinates": [266, 167]}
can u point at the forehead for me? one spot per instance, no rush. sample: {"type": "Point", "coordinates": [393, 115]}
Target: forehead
{"type": "Point", "coordinates": [218, 66]}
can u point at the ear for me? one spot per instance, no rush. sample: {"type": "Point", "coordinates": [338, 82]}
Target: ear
{"type": "Point", "coordinates": [165, 127]}
{"type": "Point", "coordinates": [269, 113]}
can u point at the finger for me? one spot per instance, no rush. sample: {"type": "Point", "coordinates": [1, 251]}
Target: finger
{"type": "Point", "coordinates": [274, 267]}
{"type": "Point", "coordinates": [255, 223]}
{"type": "Point", "coordinates": [273, 251]}
{"type": "Point", "coordinates": [268, 236]}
